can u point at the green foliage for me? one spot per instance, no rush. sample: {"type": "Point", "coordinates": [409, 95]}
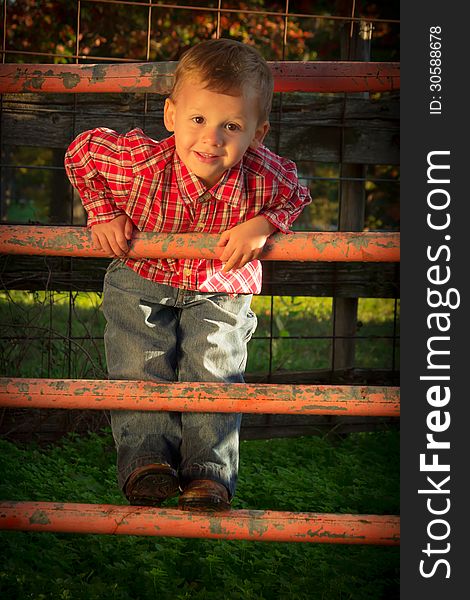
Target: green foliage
{"type": "Point", "coordinates": [122, 30]}
{"type": "Point", "coordinates": [382, 193]}
{"type": "Point", "coordinates": [358, 474]}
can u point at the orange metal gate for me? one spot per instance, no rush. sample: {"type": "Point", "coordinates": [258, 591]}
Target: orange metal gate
{"type": "Point", "coordinates": [267, 398]}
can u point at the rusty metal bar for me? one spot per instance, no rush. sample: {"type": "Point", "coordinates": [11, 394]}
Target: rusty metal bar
{"type": "Point", "coordinates": [301, 246]}
{"type": "Point", "coordinates": [82, 394]}
{"type": "Point", "coordinates": [255, 525]}
{"type": "Point", "coordinates": [157, 77]}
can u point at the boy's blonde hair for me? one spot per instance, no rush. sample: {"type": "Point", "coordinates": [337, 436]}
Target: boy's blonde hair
{"type": "Point", "coordinates": [227, 67]}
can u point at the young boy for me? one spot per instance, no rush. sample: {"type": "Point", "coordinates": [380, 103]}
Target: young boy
{"type": "Point", "coordinates": [186, 320]}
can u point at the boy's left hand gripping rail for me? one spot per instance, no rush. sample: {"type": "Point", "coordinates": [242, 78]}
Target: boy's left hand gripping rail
{"type": "Point", "coordinates": [300, 246]}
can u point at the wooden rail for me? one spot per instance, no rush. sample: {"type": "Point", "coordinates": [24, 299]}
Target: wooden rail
{"type": "Point", "coordinates": [157, 77]}
{"type": "Point", "coordinates": [200, 397]}
{"type": "Point", "coordinates": [255, 525]}
{"type": "Point", "coordinates": [301, 246]}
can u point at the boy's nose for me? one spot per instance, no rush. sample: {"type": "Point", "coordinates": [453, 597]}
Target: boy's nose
{"type": "Point", "coordinates": [213, 136]}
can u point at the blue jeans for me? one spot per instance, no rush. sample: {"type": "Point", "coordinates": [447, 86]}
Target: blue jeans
{"type": "Point", "coordinates": [159, 333]}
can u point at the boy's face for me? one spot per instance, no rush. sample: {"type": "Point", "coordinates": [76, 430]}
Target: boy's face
{"type": "Point", "coordinates": [212, 130]}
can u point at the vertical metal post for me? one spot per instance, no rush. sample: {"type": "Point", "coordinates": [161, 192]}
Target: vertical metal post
{"type": "Point", "coordinates": [218, 30]}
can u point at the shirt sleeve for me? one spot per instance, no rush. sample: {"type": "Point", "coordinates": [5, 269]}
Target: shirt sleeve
{"type": "Point", "coordinates": [288, 200]}
{"type": "Point", "coordinates": [98, 164]}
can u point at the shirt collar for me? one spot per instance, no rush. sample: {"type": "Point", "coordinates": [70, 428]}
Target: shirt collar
{"type": "Point", "coordinates": [229, 189]}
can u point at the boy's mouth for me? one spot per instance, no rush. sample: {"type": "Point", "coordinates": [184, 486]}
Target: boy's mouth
{"type": "Point", "coordinates": [206, 156]}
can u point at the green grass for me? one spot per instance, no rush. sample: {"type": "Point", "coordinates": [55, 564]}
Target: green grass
{"type": "Point", "coordinates": [358, 474]}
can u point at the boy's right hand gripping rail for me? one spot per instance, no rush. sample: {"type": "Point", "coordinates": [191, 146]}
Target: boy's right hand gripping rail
{"type": "Point", "coordinates": [80, 394]}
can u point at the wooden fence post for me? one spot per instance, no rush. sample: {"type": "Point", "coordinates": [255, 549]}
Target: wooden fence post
{"type": "Point", "coordinates": [355, 45]}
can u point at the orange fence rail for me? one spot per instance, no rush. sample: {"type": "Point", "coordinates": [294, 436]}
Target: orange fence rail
{"type": "Point", "coordinates": [321, 76]}
{"type": "Point", "coordinates": [255, 525]}
{"type": "Point", "coordinates": [200, 397]}
{"type": "Point", "coordinates": [302, 246]}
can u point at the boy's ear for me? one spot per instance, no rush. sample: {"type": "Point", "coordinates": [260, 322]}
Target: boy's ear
{"type": "Point", "coordinates": [169, 114]}
{"type": "Point", "coordinates": [260, 134]}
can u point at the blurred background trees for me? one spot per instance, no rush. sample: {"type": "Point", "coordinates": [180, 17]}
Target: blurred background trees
{"type": "Point", "coordinates": [117, 30]}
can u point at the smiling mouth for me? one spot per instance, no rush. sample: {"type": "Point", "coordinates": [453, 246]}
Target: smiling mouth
{"type": "Point", "coordinates": [205, 156]}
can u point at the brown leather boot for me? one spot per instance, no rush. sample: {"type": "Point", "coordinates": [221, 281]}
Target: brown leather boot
{"type": "Point", "coordinates": [204, 494]}
{"type": "Point", "coordinates": [150, 485]}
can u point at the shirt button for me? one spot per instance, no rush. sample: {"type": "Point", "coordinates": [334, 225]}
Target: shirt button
{"type": "Point", "coordinates": [187, 271]}
{"type": "Point", "coordinates": [206, 196]}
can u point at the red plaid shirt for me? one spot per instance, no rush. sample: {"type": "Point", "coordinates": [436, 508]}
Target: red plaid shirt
{"type": "Point", "coordinates": [146, 180]}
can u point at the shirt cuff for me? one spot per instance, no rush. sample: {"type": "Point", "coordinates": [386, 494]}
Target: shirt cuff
{"type": "Point", "coordinates": [279, 219]}
{"type": "Point", "coordinates": [99, 209]}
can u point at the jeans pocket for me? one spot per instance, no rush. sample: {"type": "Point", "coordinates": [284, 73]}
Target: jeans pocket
{"type": "Point", "coordinates": [253, 323]}
{"type": "Point", "coordinates": [236, 305]}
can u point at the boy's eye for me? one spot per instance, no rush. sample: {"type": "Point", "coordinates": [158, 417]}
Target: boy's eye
{"type": "Point", "coordinates": [198, 120]}
{"type": "Point", "coordinates": [232, 127]}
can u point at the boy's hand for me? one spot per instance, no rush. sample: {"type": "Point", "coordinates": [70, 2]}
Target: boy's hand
{"type": "Point", "coordinates": [112, 237]}
{"type": "Point", "coordinates": [244, 242]}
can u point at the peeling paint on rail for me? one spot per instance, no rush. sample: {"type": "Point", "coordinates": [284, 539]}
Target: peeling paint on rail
{"type": "Point", "coordinates": [81, 394]}
{"type": "Point", "coordinates": [157, 77]}
{"type": "Point", "coordinates": [300, 246]}
{"type": "Point", "coordinates": [255, 525]}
